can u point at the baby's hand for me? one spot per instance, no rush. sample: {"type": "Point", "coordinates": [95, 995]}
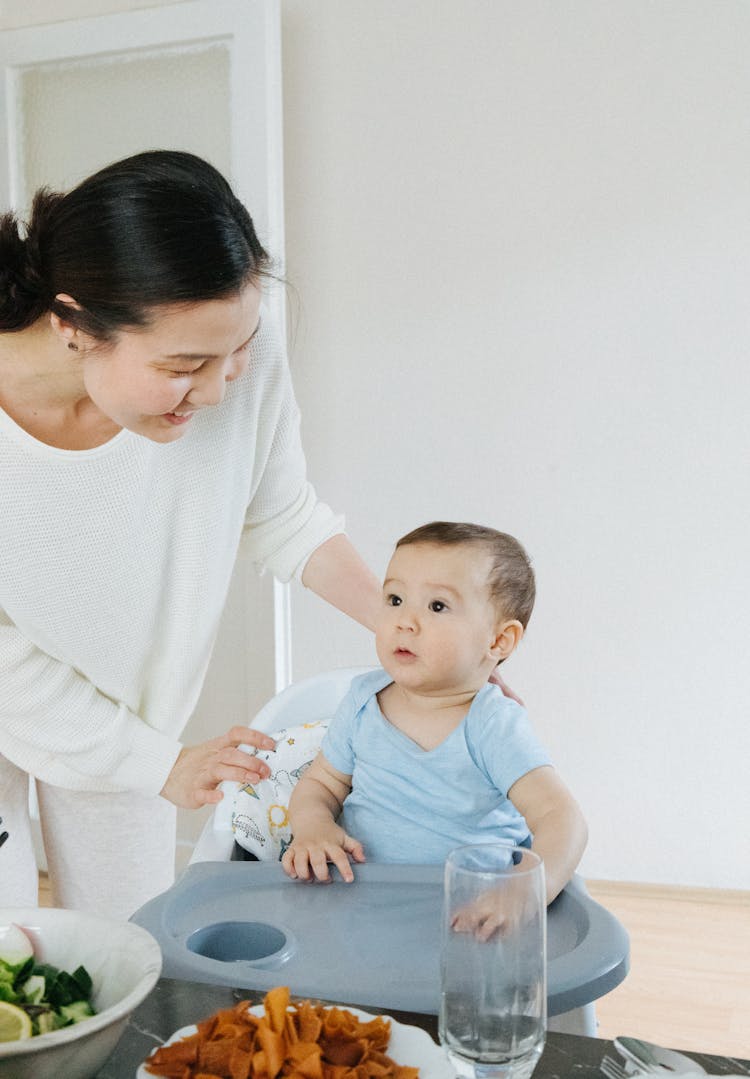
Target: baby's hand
{"type": "Point", "coordinates": [496, 911]}
{"type": "Point", "coordinates": [309, 853]}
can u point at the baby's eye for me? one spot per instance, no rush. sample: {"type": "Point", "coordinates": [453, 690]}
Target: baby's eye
{"type": "Point", "coordinates": [437, 606]}
{"type": "Point", "coordinates": [393, 600]}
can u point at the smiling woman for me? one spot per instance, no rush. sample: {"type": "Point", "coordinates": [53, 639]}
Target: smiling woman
{"type": "Point", "coordinates": [141, 384]}
{"type": "Point", "coordinates": [80, 278]}
{"type": "Point", "coordinates": [147, 424]}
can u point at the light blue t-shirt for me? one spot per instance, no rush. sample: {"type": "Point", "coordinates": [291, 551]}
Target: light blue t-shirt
{"type": "Point", "coordinates": [412, 805]}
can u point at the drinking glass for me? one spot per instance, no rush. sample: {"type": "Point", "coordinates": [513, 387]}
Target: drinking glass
{"type": "Point", "coordinates": [493, 1006]}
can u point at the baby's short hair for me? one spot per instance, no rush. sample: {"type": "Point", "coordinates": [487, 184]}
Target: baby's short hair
{"type": "Point", "coordinates": [511, 579]}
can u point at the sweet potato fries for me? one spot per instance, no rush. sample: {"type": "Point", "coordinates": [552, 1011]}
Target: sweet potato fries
{"type": "Point", "coordinates": [301, 1041]}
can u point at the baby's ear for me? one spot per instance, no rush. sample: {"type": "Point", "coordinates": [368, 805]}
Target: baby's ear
{"type": "Point", "coordinates": [507, 638]}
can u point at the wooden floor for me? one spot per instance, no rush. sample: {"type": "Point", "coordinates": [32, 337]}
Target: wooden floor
{"type": "Point", "coordinates": [689, 981]}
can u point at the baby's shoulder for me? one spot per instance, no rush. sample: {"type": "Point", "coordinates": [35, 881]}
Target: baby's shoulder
{"type": "Point", "coordinates": [364, 688]}
{"type": "Point", "coordinates": [492, 709]}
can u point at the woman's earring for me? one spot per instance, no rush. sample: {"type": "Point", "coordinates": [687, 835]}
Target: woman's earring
{"type": "Point", "coordinates": [73, 345]}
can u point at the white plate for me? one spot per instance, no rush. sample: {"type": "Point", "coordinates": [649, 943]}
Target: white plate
{"type": "Point", "coordinates": [409, 1045]}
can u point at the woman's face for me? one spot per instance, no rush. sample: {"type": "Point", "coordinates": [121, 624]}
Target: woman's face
{"type": "Point", "coordinates": [153, 381]}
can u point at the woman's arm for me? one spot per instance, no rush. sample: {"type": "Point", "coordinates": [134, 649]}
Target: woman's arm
{"type": "Point", "coordinates": [336, 573]}
{"type": "Point", "coordinates": [58, 726]}
{"type": "Point", "coordinates": [556, 822]}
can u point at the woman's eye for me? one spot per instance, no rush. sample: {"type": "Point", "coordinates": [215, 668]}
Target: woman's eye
{"type": "Point", "coordinates": [437, 606]}
{"type": "Point", "coordinates": [179, 372]}
{"type": "Point", "coordinates": [393, 601]}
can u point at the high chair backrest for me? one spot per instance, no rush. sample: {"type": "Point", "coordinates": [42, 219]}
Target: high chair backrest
{"type": "Point", "coordinates": [311, 699]}
{"type": "Point", "coordinates": [306, 701]}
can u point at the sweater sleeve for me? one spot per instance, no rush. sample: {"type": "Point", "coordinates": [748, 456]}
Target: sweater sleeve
{"type": "Point", "coordinates": [57, 726]}
{"type": "Point", "coordinates": [285, 521]}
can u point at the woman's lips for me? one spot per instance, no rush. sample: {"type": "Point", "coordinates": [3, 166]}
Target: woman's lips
{"type": "Point", "coordinates": [178, 418]}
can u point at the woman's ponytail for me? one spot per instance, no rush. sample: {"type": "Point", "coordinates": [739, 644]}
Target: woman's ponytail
{"type": "Point", "coordinates": [24, 295]}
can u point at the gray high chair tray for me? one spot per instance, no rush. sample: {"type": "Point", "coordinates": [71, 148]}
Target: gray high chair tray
{"type": "Point", "coordinates": [374, 942]}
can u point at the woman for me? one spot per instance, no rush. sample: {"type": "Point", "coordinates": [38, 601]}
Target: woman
{"type": "Point", "coordinates": [147, 427]}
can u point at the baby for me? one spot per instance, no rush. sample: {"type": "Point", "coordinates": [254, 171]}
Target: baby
{"type": "Point", "coordinates": [426, 754]}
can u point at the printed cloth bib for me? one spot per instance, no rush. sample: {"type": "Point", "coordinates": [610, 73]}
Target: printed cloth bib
{"type": "Point", "coordinates": [260, 815]}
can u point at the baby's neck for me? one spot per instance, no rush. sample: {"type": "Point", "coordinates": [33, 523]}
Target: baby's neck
{"type": "Point", "coordinates": [427, 719]}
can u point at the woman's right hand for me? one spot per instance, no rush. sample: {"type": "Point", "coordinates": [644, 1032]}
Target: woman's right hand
{"type": "Point", "coordinates": [198, 770]}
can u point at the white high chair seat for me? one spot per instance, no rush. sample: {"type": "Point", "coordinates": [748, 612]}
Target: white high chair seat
{"type": "Point", "coordinates": [304, 702]}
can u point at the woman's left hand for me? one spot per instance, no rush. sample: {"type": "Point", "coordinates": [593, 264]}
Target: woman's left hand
{"type": "Point", "coordinates": [508, 692]}
{"type": "Point", "coordinates": [198, 770]}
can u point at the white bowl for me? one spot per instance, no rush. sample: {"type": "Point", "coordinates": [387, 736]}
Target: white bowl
{"type": "Point", "coordinates": [124, 962]}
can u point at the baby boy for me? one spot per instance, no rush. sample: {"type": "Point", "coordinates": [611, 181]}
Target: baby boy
{"type": "Point", "coordinates": [426, 754]}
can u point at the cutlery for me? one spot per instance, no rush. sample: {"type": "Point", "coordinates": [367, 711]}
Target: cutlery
{"type": "Point", "coordinates": [613, 1069]}
{"type": "Point", "coordinates": [648, 1057]}
{"type": "Point", "coordinates": [640, 1053]}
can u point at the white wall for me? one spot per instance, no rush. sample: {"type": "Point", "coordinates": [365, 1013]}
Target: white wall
{"type": "Point", "coordinates": [519, 234]}
{"type": "Point", "coordinates": [519, 237]}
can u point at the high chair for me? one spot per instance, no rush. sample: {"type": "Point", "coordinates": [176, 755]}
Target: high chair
{"type": "Point", "coordinates": [203, 922]}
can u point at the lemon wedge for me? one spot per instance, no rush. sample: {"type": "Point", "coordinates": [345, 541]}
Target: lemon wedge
{"type": "Point", "coordinates": [15, 1024]}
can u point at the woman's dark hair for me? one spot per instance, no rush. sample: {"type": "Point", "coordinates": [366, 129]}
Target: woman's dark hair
{"type": "Point", "coordinates": [511, 579]}
{"type": "Point", "coordinates": [162, 227]}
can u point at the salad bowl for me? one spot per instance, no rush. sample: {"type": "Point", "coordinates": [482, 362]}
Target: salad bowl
{"type": "Point", "coordinates": [124, 963]}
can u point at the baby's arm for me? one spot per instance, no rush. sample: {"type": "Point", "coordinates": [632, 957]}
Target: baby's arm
{"type": "Point", "coordinates": [560, 834]}
{"type": "Point", "coordinates": [316, 837]}
{"type": "Point", "coordinates": [556, 822]}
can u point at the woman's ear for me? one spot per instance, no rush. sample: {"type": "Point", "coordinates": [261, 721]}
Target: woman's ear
{"type": "Point", "coordinates": [67, 331]}
{"type": "Point", "coordinates": [508, 637]}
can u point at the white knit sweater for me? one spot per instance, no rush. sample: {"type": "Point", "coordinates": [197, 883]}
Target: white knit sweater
{"type": "Point", "coordinates": [114, 569]}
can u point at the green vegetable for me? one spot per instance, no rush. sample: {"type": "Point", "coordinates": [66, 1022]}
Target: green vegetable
{"type": "Point", "coordinates": [52, 998]}
{"type": "Point", "coordinates": [78, 1010]}
{"type": "Point", "coordinates": [7, 977]}
{"type": "Point", "coordinates": [33, 988]}
{"type": "Point", "coordinates": [45, 1022]}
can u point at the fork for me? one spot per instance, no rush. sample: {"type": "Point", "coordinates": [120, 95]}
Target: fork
{"type": "Point", "coordinates": [613, 1069]}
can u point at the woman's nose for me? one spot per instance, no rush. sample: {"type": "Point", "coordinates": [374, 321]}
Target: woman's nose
{"type": "Point", "coordinates": [209, 391]}
{"type": "Point", "coordinates": [209, 388]}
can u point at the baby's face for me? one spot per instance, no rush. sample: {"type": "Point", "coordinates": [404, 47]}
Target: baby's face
{"type": "Point", "coordinates": [438, 622]}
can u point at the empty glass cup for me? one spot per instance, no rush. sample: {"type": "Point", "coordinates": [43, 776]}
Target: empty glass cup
{"type": "Point", "coordinates": [493, 1010]}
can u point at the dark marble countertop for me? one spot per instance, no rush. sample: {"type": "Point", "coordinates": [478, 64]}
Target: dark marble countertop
{"type": "Point", "coordinates": [174, 1004]}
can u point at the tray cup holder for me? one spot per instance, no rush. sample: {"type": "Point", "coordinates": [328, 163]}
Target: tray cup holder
{"type": "Point", "coordinates": [257, 943]}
